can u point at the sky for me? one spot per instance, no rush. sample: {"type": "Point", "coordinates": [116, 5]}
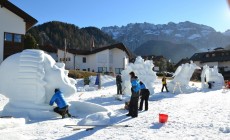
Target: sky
{"type": "Point", "coordinates": [103, 13]}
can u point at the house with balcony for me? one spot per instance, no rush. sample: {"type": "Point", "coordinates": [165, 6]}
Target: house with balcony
{"type": "Point", "coordinates": [113, 58]}
{"type": "Point", "coordinates": [13, 25]}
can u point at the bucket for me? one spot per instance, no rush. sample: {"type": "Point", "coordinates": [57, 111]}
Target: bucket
{"type": "Point", "coordinates": [163, 118]}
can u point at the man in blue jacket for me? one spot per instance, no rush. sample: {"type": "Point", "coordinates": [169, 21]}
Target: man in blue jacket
{"type": "Point", "coordinates": [135, 92]}
{"type": "Point", "coordinates": [62, 106]}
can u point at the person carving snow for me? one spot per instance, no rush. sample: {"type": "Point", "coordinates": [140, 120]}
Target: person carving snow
{"type": "Point", "coordinates": [62, 106]}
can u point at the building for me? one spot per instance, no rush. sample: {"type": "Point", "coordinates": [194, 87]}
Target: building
{"type": "Point", "coordinates": [113, 58]}
{"type": "Point", "coordinates": [49, 49]}
{"type": "Point", "coordinates": [218, 57]}
{"type": "Point", "coordinates": [13, 25]}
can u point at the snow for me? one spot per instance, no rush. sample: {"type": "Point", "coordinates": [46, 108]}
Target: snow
{"type": "Point", "coordinates": [167, 31]}
{"type": "Point", "coordinates": [194, 36]}
{"type": "Point", "coordinates": [178, 35]}
{"type": "Point", "coordinates": [143, 70]}
{"type": "Point", "coordinates": [182, 76]}
{"type": "Point", "coordinates": [33, 76]}
{"type": "Point", "coordinates": [202, 114]}
{"type": "Point", "coordinates": [198, 115]}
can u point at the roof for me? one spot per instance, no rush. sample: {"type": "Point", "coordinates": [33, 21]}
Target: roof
{"type": "Point", "coordinates": [30, 21]}
{"type": "Point", "coordinates": [88, 52]}
{"type": "Point", "coordinates": [182, 61]}
{"type": "Point", "coordinates": [48, 48]}
{"type": "Point", "coordinates": [213, 56]}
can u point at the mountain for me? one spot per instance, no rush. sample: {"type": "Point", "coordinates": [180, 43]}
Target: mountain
{"type": "Point", "coordinates": [202, 37]}
{"type": "Point", "coordinates": [56, 32]}
{"type": "Point", "coordinates": [227, 33]}
{"type": "Point", "coordinates": [168, 49]}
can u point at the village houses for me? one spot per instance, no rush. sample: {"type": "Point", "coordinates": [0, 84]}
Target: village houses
{"type": "Point", "coordinates": [14, 24]}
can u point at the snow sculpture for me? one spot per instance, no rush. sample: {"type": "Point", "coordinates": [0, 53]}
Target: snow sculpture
{"type": "Point", "coordinates": [182, 77]}
{"type": "Point", "coordinates": [144, 72]}
{"type": "Point", "coordinates": [31, 76]}
{"type": "Point", "coordinates": [211, 75]}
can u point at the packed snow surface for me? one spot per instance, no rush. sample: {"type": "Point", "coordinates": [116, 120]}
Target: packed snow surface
{"type": "Point", "coordinates": [198, 115]}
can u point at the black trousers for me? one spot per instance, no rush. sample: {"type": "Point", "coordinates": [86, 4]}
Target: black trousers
{"type": "Point", "coordinates": [119, 89]}
{"type": "Point", "coordinates": [133, 106]}
{"type": "Point", "coordinates": [164, 85]}
{"type": "Point", "coordinates": [62, 111]}
{"type": "Point", "coordinates": [144, 97]}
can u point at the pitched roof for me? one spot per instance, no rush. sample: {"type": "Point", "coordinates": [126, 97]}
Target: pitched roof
{"type": "Point", "coordinates": [48, 48]}
{"type": "Point", "coordinates": [30, 21]}
{"type": "Point", "coordinates": [88, 52]}
{"type": "Point", "coordinates": [182, 61]}
{"type": "Point", "coordinates": [213, 56]}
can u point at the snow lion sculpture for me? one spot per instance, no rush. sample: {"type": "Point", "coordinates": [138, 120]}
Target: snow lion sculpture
{"type": "Point", "coordinates": [29, 78]}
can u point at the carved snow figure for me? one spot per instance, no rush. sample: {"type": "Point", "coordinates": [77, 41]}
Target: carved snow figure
{"type": "Point", "coordinates": [212, 76]}
{"type": "Point", "coordinates": [29, 78]}
{"type": "Point", "coordinates": [143, 70]}
{"type": "Point", "coordinates": [182, 77]}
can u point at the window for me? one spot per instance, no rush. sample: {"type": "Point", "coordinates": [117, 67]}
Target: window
{"type": "Point", "coordinates": [102, 69]}
{"type": "Point", "coordinates": [65, 59]}
{"type": "Point", "coordinates": [8, 37]}
{"type": "Point", "coordinates": [207, 55]}
{"type": "Point", "coordinates": [84, 59]}
{"type": "Point", "coordinates": [213, 55]}
{"type": "Point", "coordinates": [17, 38]}
{"type": "Point", "coordinates": [118, 70]}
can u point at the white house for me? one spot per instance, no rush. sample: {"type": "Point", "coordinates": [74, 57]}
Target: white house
{"type": "Point", "coordinates": [13, 25]}
{"type": "Point", "coordinates": [112, 58]}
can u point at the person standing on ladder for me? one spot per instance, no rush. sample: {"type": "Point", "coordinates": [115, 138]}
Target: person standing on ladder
{"type": "Point", "coordinates": [164, 84]}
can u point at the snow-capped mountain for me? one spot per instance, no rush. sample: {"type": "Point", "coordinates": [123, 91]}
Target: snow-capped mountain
{"type": "Point", "coordinates": [200, 36]}
{"type": "Point", "coordinates": [227, 33]}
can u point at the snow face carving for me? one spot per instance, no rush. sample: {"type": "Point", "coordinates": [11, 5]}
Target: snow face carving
{"type": "Point", "coordinates": [144, 72]}
{"type": "Point", "coordinates": [31, 76]}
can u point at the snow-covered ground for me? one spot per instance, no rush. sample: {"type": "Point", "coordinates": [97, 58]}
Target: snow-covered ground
{"type": "Point", "coordinates": [198, 115]}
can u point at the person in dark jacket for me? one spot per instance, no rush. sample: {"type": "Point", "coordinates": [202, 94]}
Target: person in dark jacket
{"type": "Point", "coordinates": [164, 84]}
{"type": "Point", "coordinates": [62, 106]}
{"type": "Point", "coordinates": [135, 90]}
{"type": "Point", "coordinates": [144, 96]}
{"type": "Point", "coordinates": [118, 83]}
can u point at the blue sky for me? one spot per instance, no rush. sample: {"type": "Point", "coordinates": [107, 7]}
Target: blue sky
{"type": "Point", "coordinates": [102, 13]}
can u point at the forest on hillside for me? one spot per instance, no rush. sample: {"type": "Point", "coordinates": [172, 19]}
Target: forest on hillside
{"type": "Point", "coordinates": [55, 33]}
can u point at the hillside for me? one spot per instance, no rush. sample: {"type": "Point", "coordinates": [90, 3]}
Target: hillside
{"type": "Point", "coordinates": [55, 32]}
{"type": "Point", "coordinates": [169, 50]}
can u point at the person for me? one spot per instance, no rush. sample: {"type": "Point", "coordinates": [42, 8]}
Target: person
{"type": "Point", "coordinates": [118, 83]}
{"type": "Point", "coordinates": [144, 96]}
{"type": "Point", "coordinates": [62, 106]}
{"type": "Point", "coordinates": [228, 84]}
{"type": "Point", "coordinates": [135, 90]}
{"type": "Point", "coordinates": [210, 84]}
{"type": "Point", "coordinates": [164, 84]}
